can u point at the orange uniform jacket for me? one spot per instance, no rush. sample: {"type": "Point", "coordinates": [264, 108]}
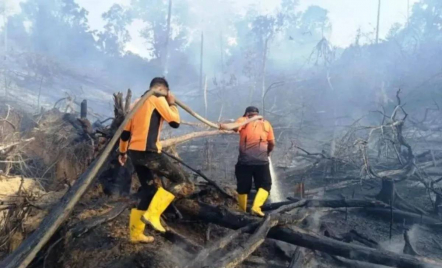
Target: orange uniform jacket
{"type": "Point", "coordinates": [142, 133]}
{"type": "Point", "coordinates": [253, 143]}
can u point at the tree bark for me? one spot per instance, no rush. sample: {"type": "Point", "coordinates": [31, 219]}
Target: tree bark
{"type": "Point", "coordinates": [27, 251]}
{"type": "Point", "coordinates": [83, 109]}
{"type": "Point", "coordinates": [297, 259]}
{"type": "Point", "coordinates": [300, 237]}
{"type": "Point", "coordinates": [166, 44]}
{"type": "Point", "coordinates": [331, 203]}
{"type": "Point", "coordinates": [5, 28]}
{"type": "Point", "coordinates": [205, 96]}
{"type": "Point", "coordinates": [388, 195]}
{"type": "Point", "coordinates": [400, 216]}
{"type": "Point", "coordinates": [241, 253]}
{"type": "Point", "coordinates": [388, 192]}
{"type": "Point", "coordinates": [219, 244]}
{"type": "Point", "coordinates": [258, 262]}
{"type": "Point", "coordinates": [263, 72]}
{"type": "Point", "coordinates": [378, 20]}
{"type": "Point", "coordinates": [201, 61]}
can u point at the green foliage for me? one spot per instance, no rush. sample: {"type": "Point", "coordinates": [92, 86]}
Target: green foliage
{"type": "Point", "coordinates": [236, 42]}
{"type": "Point", "coordinates": [314, 21]}
{"type": "Point", "coordinates": [115, 34]}
{"type": "Point", "coordinates": [63, 18]}
{"type": "Point", "coordinates": [427, 18]}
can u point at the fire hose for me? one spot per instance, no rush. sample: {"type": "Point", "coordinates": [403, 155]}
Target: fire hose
{"type": "Point", "coordinates": [29, 248]}
{"type": "Point", "coordinates": [229, 126]}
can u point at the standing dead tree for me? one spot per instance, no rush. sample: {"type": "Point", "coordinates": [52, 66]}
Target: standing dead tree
{"type": "Point", "coordinates": [386, 138]}
{"type": "Point", "coordinates": [121, 109]}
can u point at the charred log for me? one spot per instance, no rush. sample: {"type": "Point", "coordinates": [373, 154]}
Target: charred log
{"type": "Point", "coordinates": [352, 236]}
{"type": "Point", "coordinates": [403, 216]}
{"type": "Point", "coordinates": [306, 239]}
{"type": "Point", "coordinates": [297, 259]}
{"type": "Point", "coordinates": [219, 244]}
{"type": "Point", "coordinates": [255, 240]}
{"type": "Point", "coordinates": [27, 251]}
{"type": "Point", "coordinates": [330, 203]}
{"type": "Point", "coordinates": [189, 245]}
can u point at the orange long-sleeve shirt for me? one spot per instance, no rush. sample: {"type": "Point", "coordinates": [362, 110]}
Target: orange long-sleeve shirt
{"type": "Point", "coordinates": [142, 133]}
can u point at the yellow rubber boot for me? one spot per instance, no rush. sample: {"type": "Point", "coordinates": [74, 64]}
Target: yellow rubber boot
{"type": "Point", "coordinates": [242, 202]}
{"type": "Point", "coordinates": [260, 199]}
{"type": "Point", "coordinates": [158, 205]}
{"type": "Point", "coordinates": [136, 228]}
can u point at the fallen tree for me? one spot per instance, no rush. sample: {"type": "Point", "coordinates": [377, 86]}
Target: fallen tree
{"type": "Point", "coordinates": [329, 203]}
{"type": "Point", "coordinates": [303, 238]}
{"type": "Point", "coordinates": [366, 206]}
{"type": "Point", "coordinates": [241, 253]}
{"type": "Point", "coordinates": [27, 251]}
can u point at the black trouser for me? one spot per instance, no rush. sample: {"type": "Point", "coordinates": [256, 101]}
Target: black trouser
{"type": "Point", "coordinates": [259, 173]}
{"type": "Point", "coordinates": [148, 163]}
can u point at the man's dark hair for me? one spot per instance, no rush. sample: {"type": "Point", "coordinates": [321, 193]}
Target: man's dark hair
{"type": "Point", "coordinates": [159, 81]}
{"type": "Point", "coordinates": [251, 109]}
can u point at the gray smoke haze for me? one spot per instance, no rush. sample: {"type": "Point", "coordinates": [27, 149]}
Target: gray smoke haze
{"type": "Point", "coordinates": [287, 57]}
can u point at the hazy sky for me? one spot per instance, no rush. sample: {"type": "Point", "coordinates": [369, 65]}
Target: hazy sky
{"type": "Point", "coordinates": [346, 16]}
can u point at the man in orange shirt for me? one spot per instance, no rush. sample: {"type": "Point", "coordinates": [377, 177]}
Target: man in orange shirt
{"type": "Point", "coordinates": [256, 142]}
{"type": "Point", "coordinates": [141, 139]}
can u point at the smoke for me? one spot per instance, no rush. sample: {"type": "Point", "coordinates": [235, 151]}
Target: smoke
{"type": "Point", "coordinates": [397, 242]}
{"type": "Point", "coordinates": [280, 61]}
{"type": "Point", "coordinates": [177, 255]}
{"type": "Point", "coordinates": [314, 220]}
{"type": "Point", "coordinates": [230, 56]}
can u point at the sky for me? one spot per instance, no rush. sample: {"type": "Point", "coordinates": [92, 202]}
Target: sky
{"type": "Point", "coordinates": [346, 16]}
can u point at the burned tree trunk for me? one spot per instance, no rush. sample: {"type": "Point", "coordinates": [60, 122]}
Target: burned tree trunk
{"type": "Point", "coordinates": [388, 192]}
{"type": "Point", "coordinates": [389, 196]}
{"type": "Point", "coordinates": [121, 108]}
{"type": "Point", "coordinates": [400, 216]}
{"type": "Point", "coordinates": [219, 244]}
{"type": "Point", "coordinates": [241, 253]}
{"type": "Point", "coordinates": [329, 203]}
{"type": "Point", "coordinates": [27, 251]}
{"type": "Point", "coordinates": [83, 110]}
{"type": "Point", "coordinates": [300, 237]}
{"type": "Point", "coordinates": [297, 259]}
{"type": "Point", "coordinates": [165, 58]}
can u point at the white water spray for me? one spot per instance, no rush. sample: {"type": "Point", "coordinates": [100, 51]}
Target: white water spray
{"type": "Point", "coordinates": [275, 191]}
